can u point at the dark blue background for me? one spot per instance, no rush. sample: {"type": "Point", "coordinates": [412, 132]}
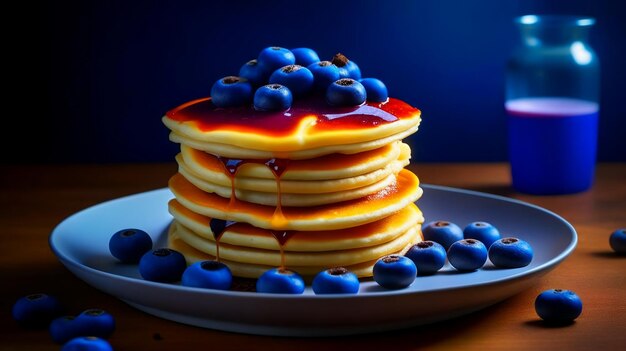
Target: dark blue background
{"type": "Point", "coordinates": [94, 81]}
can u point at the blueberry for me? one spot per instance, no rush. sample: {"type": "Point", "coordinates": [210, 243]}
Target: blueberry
{"type": "Point", "coordinates": [128, 245]}
{"type": "Point", "coordinates": [36, 310]}
{"type": "Point", "coordinates": [324, 74]}
{"type": "Point", "coordinates": [428, 256]}
{"type": "Point", "coordinates": [510, 253]}
{"type": "Point", "coordinates": [209, 275]}
{"type": "Point", "coordinates": [65, 328]}
{"type": "Point", "coordinates": [162, 265]}
{"type": "Point", "coordinates": [273, 97]}
{"type": "Point", "coordinates": [295, 77]}
{"type": "Point", "coordinates": [231, 91]}
{"type": "Point", "coordinates": [558, 306]}
{"type": "Point", "coordinates": [305, 56]}
{"type": "Point", "coordinates": [617, 240]}
{"type": "Point", "coordinates": [280, 281]}
{"type": "Point", "coordinates": [274, 57]}
{"type": "Point", "coordinates": [445, 233]}
{"type": "Point", "coordinates": [394, 272]}
{"type": "Point", "coordinates": [87, 343]}
{"type": "Point", "coordinates": [483, 231]}
{"type": "Point", "coordinates": [347, 68]}
{"type": "Point", "coordinates": [256, 74]}
{"type": "Point", "coordinates": [345, 92]}
{"type": "Point", "coordinates": [375, 89]}
{"type": "Point", "coordinates": [336, 280]}
{"type": "Point", "coordinates": [467, 255]}
{"type": "Point", "coordinates": [96, 322]}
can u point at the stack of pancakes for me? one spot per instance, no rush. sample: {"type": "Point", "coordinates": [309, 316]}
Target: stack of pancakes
{"type": "Point", "coordinates": [307, 189]}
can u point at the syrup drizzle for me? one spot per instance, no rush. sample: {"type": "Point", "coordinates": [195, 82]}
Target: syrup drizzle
{"type": "Point", "coordinates": [218, 227]}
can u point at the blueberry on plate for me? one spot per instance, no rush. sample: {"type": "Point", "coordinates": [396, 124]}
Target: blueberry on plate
{"type": "Point", "coordinates": [128, 245]}
{"type": "Point", "coordinates": [345, 92]}
{"type": "Point", "coordinates": [428, 256]}
{"type": "Point", "coordinates": [295, 77]}
{"type": "Point", "coordinates": [510, 253]}
{"type": "Point", "coordinates": [375, 89]}
{"type": "Point", "coordinates": [273, 97]}
{"type": "Point", "coordinates": [96, 322]}
{"type": "Point", "coordinates": [467, 255]}
{"type": "Point", "coordinates": [87, 343]}
{"type": "Point", "coordinates": [482, 231]}
{"type": "Point", "coordinates": [442, 232]}
{"type": "Point", "coordinates": [337, 280]}
{"type": "Point", "coordinates": [394, 272]}
{"type": "Point", "coordinates": [347, 68]}
{"type": "Point", "coordinates": [162, 265]}
{"type": "Point", "coordinates": [256, 74]}
{"type": "Point", "coordinates": [324, 74]}
{"type": "Point", "coordinates": [305, 56]}
{"type": "Point", "coordinates": [280, 281]}
{"type": "Point", "coordinates": [617, 240]}
{"type": "Point", "coordinates": [208, 275]}
{"type": "Point", "coordinates": [558, 306]}
{"type": "Point", "coordinates": [65, 328]}
{"type": "Point", "coordinates": [231, 91]}
{"type": "Point", "coordinates": [36, 310]}
{"type": "Point", "coordinates": [275, 57]}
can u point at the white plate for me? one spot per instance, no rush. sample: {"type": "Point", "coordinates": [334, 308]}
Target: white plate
{"type": "Point", "coordinates": [81, 244]}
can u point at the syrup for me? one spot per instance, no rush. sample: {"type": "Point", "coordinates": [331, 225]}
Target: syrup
{"type": "Point", "coordinates": [218, 227]}
{"type": "Point", "coordinates": [282, 236]}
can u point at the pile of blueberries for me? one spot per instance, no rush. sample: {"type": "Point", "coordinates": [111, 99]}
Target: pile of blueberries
{"type": "Point", "coordinates": [278, 76]}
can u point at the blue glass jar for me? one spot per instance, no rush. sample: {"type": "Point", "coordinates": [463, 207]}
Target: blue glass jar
{"type": "Point", "coordinates": [552, 94]}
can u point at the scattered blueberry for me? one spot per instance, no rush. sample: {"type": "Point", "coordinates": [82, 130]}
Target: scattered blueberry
{"type": "Point", "coordinates": [209, 275]}
{"type": "Point", "coordinates": [256, 74]}
{"type": "Point", "coordinates": [128, 245]}
{"type": "Point", "coordinates": [63, 329]}
{"type": "Point", "coordinates": [467, 255]}
{"type": "Point", "coordinates": [428, 256]}
{"type": "Point", "coordinates": [558, 306]}
{"type": "Point", "coordinates": [280, 281]}
{"type": "Point", "coordinates": [305, 56]}
{"type": "Point", "coordinates": [510, 253]}
{"type": "Point", "coordinates": [231, 91]}
{"type": "Point", "coordinates": [96, 322]}
{"type": "Point", "coordinates": [345, 92]}
{"type": "Point", "coordinates": [445, 233]}
{"type": "Point", "coordinates": [347, 68]}
{"type": "Point", "coordinates": [162, 265]}
{"type": "Point", "coordinates": [375, 89]}
{"type": "Point", "coordinates": [295, 77]}
{"type": "Point", "coordinates": [617, 240]}
{"type": "Point", "coordinates": [273, 97]}
{"type": "Point", "coordinates": [336, 280]}
{"type": "Point", "coordinates": [482, 231]}
{"type": "Point", "coordinates": [274, 57]}
{"type": "Point", "coordinates": [87, 343]}
{"type": "Point", "coordinates": [36, 310]}
{"type": "Point", "coordinates": [394, 272]}
{"type": "Point", "coordinates": [324, 74]}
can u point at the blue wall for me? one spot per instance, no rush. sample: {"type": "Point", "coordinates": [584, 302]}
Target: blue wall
{"type": "Point", "coordinates": [100, 74]}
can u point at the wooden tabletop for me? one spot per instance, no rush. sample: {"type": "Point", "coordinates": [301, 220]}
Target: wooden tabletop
{"type": "Point", "coordinates": [34, 199]}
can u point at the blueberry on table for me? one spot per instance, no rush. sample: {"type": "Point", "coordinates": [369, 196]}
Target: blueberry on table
{"type": "Point", "coordinates": [96, 322]}
{"type": "Point", "coordinates": [482, 231]}
{"type": "Point", "coordinates": [394, 272]}
{"type": "Point", "coordinates": [231, 91]}
{"type": "Point", "coordinates": [273, 97]}
{"type": "Point", "coordinates": [467, 255]}
{"type": "Point", "coordinates": [275, 57]}
{"type": "Point", "coordinates": [442, 232]}
{"type": "Point", "coordinates": [324, 74]}
{"type": "Point", "coordinates": [558, 306]}
{"type": "Point", "coordinates": [162, 265]}
{"type": "Point", "coordinates": [295, 77]}
{"type": "Point", "coordinates": [376, 90]}
{"type": "Point", "coordinates": [208, 275]}
{"type": "Point", "coordinates": [337, 280]}
{"type": "Point", "coordinates": [256, 74]}
{"type": "Point", "coordinates": [345, 92]}
{"type": "Point", "coordinates": [617, 240]}
{"type": "Point", "coordinates": [87, 343]}
{"type": "Point", "coordinates": [510, 253]}
{"type": "Point", "coordinates": [305, 56]}
{"type": "Point", "coordinates": [428, 256]}
{"type": "Point", "coordinates": [36, 310]}
{"type": "Point", "coordinates": [280, 281]}
{"type": "Point", "coordinates": [128, 245]}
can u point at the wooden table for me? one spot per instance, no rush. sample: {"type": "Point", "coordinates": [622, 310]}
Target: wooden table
{"type": "Point", "coordinates": [35, 198]}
